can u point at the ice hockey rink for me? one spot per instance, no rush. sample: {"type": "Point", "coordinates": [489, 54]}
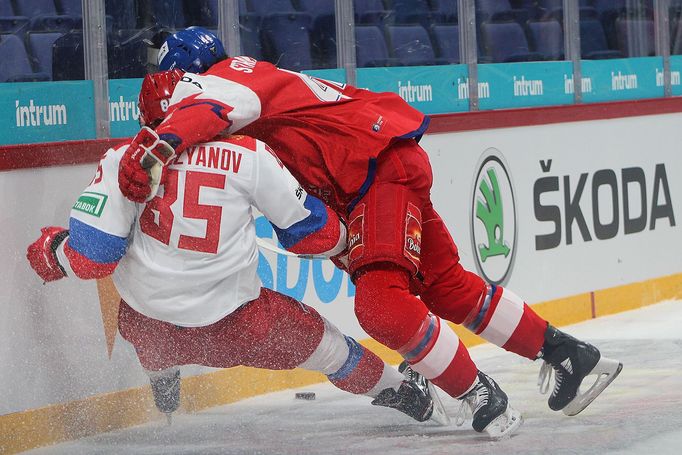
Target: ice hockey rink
{"type": "Point", "coordinates": [641, 412]}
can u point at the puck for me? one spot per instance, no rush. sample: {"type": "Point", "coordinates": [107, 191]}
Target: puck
{"type": "Point", "coordinates": [305, 395]}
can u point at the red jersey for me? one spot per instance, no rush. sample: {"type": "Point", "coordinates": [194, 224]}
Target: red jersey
{"type": "Point", "coordinates": [328, 134]}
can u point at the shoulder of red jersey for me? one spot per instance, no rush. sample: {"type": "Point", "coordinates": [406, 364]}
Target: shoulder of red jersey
{"type": "Point", "coordinates": [243, 65]}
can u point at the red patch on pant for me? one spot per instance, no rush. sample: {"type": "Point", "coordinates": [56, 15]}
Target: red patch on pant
{"type": "Point", "coordinates": [356, 228]}
{"type": "Point", "coordinates": [413, 234]}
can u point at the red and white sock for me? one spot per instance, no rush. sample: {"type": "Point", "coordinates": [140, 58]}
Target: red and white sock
{"type": "Point", "coordinates": [505, 320]}
{"type": "Point", "coordinates": [436, 352]}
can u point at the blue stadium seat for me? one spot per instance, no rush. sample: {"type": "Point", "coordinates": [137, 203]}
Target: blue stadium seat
{"type": "Point", "coordinates": [68, 58]}
{"type": "Point", "coordinates": [506, 42]}
{"type": "Point", "coordinates": [446, 41]}
{"type": "Point", "coordinates": [40, 46]}
{"type": "Point", "coordinates": [323, 32]}
{"type": "Point", "coordinates": [6, 8]}
{"type": "Point", "coordinates": [317, 7]}
{"type": "Point", "coordinates": [60, 23]}
{"type": "Point", "coordinates": [609, 11]}
{"type": "Point", "coordinates": [549, 8]}
{"type": "Point", "coordinates": [249, 33]}
{"type": "Point", "coordinates": [286, 40]}
{"type": "Point", "coordinates": [608, 5]}
{"type": "Point", "coordinates": [43, 15]}
{"type": "Point", "coordinates": [370, 12]}
{"type": "Point", "coordinates": [123, 13]}
{"type": "Point", "coordinates": [204, 12]}
{"type": "Point", "coordinates": [415, 12]}
{"type": "Point", "coordinates": [31, 8]}
{"type": "Point", "coordinates": [447, 8]}
{"type": "Point", "coordinates": [127, 53]}
{"type": "Point", "coordinates": [411, 45]}
{"type": "Point", "coordinates": [593, 44]}
{"type": "Point", "coordinates": [70, 7]}
{"type": "Point", "coordinates": [168, 13]}
{"type": "Point", "coordinates": [14, 24]}
{"type": "Point", "coordinates": [370, 47]}
{"type": "Point", "coordinates": [493, 10]}
{"type": "Point", "coordinates": [16, 66]}
{"type": "Point", "coordinates": [636, 37]}
{"type": "Point", "coordinates": [546, 38]}
{"type": "Point", "coordinates": [270, 6]}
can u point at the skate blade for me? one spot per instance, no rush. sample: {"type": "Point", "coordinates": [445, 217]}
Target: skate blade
{"type": "Point", "coordinates": [169, 418]}
{"type": "Point", "coordinates": [606, 370]}
{"type": "Point", "coordinates": [505, 425]}
{"type": "Point", "coordinates": [438, 415]}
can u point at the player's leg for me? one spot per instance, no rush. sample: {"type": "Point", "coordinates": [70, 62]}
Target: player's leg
{"type": "Point", "coordinates": [295, 335]}
{"type": "Point", "coordinates": [160, 348]}
{"type": "Point", "coordinates": [501, 317]}
{"type": "Point", "coordinates": [385, 253]}
{"type": "Point", "coordinates": [460, 296]}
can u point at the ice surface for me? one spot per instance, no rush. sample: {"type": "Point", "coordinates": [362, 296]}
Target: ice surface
{"type": "Point", "coordinates": [640, 413]}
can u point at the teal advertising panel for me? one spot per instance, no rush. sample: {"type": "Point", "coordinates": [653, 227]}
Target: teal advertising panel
{"type": "Point", "coordinates": [123, 111]}
{"type": "Point", "coordinates": [675, 71]}
{"type": "Point", "coordinates": [334, 74]}
{"type": "Point", "coordinates": [33, 112]}
{"type": "Point", "coordinates": [622, 79]}
{"type": "Point", "coordinates": [528, 84]}
{"type": "Point", "coordinates": [431, 89]}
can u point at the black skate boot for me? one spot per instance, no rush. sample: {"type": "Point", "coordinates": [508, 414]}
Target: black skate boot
{"type": "Point", "coordinates": [490, 409]}
{"type": "Point", "coordinates": [415, 397]}
{"type": "Point", "coordinates": [572, 361]}
{"type": "Point", "coordinates": [166, 390]}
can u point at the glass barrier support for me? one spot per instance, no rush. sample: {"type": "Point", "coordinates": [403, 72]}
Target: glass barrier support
{"type": "Point", "coordinates": [96, 70]}
{"type": "Point", "coordinates": [468, 49]}
{"type": "Point", "coordinates": [345, 40]}
{"type": "Point", "coordinates": [662, 28]}
{"type": "Point", "coordinates": [228, 26]}
{"type": "Point", "coordinates": [572, 45]}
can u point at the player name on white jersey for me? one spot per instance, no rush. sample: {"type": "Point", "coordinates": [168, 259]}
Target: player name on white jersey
{"type": "Point", "coordinates": [211, 157]}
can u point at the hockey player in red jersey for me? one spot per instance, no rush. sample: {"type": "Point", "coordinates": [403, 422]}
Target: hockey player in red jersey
{"type": "Point", "coordinates": [185, 266]}
{"type": "Point", "coordinates": [359, 152]}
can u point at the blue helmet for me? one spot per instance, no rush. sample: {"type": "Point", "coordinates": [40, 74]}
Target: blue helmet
{"type": "Point", "coordinates": [194, 50]}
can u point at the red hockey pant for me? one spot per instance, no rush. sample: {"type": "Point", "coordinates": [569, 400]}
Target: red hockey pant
{"type": "Point", "coordinates": [404, 249]}
{"type": "Point", "coordinates": [274, 332]}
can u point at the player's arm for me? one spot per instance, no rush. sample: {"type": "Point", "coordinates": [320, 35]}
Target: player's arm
{"type": "Point", "coordinates": [303, 223]}
{"type": "Point", "coordinates": [97, 238]}
{"type": "Point", "coordinates": [192, 117]}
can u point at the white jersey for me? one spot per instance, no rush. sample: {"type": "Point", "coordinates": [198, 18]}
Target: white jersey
{"type": "Point", "coordinates": [191, 253]}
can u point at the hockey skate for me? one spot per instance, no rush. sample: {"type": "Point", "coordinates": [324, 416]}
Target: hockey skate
{"type": "Point", "coordinates": [572, 361]}
{"type": "Point", "coordinates": [166, 390]}
{"type": "Point", "coordinates": [415, 397]}
{"type": "Point", "coordinates": [490, 408]}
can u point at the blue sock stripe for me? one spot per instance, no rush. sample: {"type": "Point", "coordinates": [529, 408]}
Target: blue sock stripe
{"type": "Point", "coordinates": [484, 309]}
{"type": "Point", "coordinates": [355, 352]}
{"type": "Point", "coordinates": [424, 342]}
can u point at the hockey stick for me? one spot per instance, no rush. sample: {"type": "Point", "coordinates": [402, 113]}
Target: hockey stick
{"type": "Point", "coordinates": [264, 244]}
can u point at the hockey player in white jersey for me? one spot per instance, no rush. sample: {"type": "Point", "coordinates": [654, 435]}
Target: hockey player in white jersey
{"type": "Point", "coordinates": [185, 266]}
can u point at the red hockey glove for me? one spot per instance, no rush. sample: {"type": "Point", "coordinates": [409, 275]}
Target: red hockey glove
{"type": "Point", "coordinates": [140, 169]}
{"type": "Point", "coordinates": [42, 254]}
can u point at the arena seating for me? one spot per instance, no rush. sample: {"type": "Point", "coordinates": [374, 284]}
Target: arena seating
{"type": "Point", "coordinates": [411, 45]}
{"type": "Point", "coordinates": [546, 37]}
{"type": "Point", "coordinates": [12, 50]}
{"type": "Point", "coordinates": [301, 34]}
{"type": "Point", "coordinates": [446, 42]}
